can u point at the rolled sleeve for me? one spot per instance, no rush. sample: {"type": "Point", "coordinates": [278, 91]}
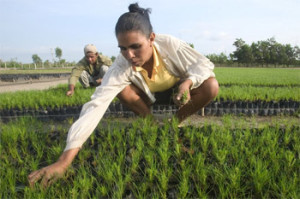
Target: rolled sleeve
{"type": "Point", "coordinates": [198, 68]}
{"type": "Point", "coordinates": [90, 116]}
{"type": "Point", "coordinates": [183, 61]}
{"type": "Point", "coordinates": [93, 111]}
{"type": "Point", "coordinates": [75, 75]}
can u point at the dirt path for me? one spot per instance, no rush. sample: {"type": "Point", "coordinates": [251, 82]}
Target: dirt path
{"type": "Point", "coordinates": [30, 85]}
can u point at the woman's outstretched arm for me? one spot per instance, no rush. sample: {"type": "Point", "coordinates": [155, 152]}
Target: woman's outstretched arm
{"type": "Point", "coordinates": [51, 173]}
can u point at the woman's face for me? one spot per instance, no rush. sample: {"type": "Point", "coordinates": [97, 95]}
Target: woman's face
{"type": "Point", "coordinates": [136, 47]}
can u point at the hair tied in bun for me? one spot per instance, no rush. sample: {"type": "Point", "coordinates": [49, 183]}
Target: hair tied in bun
{"type": "Point", "coordinates": [137, 19]}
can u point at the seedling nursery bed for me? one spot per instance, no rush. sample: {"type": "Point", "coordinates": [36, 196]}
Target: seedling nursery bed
{"type": "Point", "coordinates": [215, 108]}
{"type": "Point", "coordinates": [144, 159]}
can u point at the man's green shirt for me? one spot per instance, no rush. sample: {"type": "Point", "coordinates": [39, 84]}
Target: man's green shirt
{"type": "Point", "coordinates": [92, 70]}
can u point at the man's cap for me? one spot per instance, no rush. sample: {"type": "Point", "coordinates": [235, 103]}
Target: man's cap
{"type": "Point", "coordinates": [90, 48]}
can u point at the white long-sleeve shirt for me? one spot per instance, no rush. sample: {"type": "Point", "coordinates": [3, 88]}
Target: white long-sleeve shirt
{"type": "Point", "coordinates": [180, 60]}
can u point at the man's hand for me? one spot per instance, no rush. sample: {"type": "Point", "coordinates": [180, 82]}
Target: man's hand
{"type": "Point", "coordinates": [70, 92]}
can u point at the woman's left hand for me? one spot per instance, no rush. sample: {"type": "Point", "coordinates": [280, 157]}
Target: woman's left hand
{"type": "Point", "coordinates": [183, 96]}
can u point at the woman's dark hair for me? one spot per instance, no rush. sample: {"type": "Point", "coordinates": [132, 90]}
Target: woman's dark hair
{"type": "Point", "coordinates": [137, 19]}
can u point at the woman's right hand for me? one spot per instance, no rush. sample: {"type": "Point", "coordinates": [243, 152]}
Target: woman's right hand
{"type": "Point", "coordinates": [51, 173]}
{"type": "Point", "coordinates": [47, 175]}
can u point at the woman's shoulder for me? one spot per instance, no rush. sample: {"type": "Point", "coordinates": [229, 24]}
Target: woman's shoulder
{"type": "Point", "coordinates": [165, 38]}
{"type": "Point", "coordinates": [167, 45]}
{"type": "Point", "coordinates": [167, 41]}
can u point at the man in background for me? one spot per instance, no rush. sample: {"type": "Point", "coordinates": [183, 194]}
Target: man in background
{"type": "Point", "coordinates": [89, 70]}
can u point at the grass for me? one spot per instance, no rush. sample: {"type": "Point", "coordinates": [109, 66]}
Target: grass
{"type": "Point", "coordinates": [146, 160]}
{"type": "Point", "coordinates": [225, 75]}
{"type": "Point", "coordinates": [258, 76]}
{"type": "Point", "coordinates": [53, 97]}
{"type": "Point", "coordinates": [253, 93]}
{"type": "Point", "coordinates": [56, 97]}
{"type": "Point", "coordinates": [248, 84]}
{"type": "Point", "coordinates": [143, 159]}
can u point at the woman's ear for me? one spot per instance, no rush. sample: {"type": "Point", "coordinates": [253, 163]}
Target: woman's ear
{"type": "Point", "coordinates": [152, 38]}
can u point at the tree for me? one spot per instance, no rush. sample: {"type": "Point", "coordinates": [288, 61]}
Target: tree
{"type": "Point", "coordinates": [239, 43]}
{"type": "Point", "coordinates": [264, 48]}
{"type": "Point", "coordinates": [191, 45]}
{"type": "Point", "coordinates": [237, 54]}
{"type": "Point", "coordinates": [243, 53]}
{"type": "Point", "coordinates": [297, 54]}
{"type": "Point", "coordinates": [2, 64]}
{"type": "Point", "coordinates": [36, 59]}
{"type": "Point", "coordinates": [282, 57]}
{"type": "Point", "coordinates": [113, 58]}
{"type": "Point", "coordinates": [218, 59]}
{"type": "Point", "coordinates": [256, 52]}
{"type": "Point", "coordinates": [246, 55]}
{"type": "Point", "coordinates": [47, 63]}
{"type": "Point", "coordinates": [62, 62]}
{"type": "Point", "coordinates": [58, 53]}
{"type": "Point", "coordinates": [273, 50]}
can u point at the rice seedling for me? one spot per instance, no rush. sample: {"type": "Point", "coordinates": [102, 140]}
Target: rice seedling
{"type": "Point", "coordinates": [258, 76]}
{"type": "Point", "coordinates": [184, 97]}
{"type": "Point", "coordinates": [53, 97]}
{"type": "Point", "coordinates": [56, 98]}
{"type": "Point", "coordinates": [252, 93]}
{"type": "Point", "coordinates": [157, 161]}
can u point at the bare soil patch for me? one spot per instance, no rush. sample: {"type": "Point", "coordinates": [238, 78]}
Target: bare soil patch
{"type": "Point", "coordinates": [31, 85]}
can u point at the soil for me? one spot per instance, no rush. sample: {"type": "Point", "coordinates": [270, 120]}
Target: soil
{"type": "Point", "coordinates": [31, 85]}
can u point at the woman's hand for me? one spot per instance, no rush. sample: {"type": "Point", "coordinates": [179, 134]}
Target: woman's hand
{"type": "Point", "coordinates": [183, 96]}
{"type": "Point", "coordinates": [48, 174]}
{"type": "Point", "coordinates": [51, 173]}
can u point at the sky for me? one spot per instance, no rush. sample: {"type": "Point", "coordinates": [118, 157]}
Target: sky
{"type": "Point", "coordinates": [30, 27]}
